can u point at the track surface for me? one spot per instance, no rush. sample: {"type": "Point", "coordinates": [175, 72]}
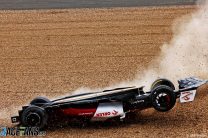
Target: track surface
{"type": "Point", "coordinates": [53, 52]}
{"type": "Point", "coordinates": [48, 4]}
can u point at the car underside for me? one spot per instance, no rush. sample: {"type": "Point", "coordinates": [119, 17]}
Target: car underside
{"type": "Point", "coordinates": [107, 104]}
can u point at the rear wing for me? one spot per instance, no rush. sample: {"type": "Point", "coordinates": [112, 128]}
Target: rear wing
{"type": "Point", "coordinates": [191, 83]}
{"type": "Point", "coordinates": [188, 87]}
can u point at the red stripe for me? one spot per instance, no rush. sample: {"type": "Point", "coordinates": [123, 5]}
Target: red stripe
{"type": "Point", "coordinates": [79, 112]}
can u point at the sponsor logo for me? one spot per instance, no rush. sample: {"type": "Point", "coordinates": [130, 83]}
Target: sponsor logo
{"type": "Point", "coordinates": [115, 112]}
{"type": "Point", "coordinates": [91, 113]}
{"type": "Point", "coordinates": [105, 114]}
{"type": "Point", "coordinates": [186, 95]}
{"type": "Point", "coordinates": [138, 101]}
{"type": "Point", "coordinates": [21, 131]}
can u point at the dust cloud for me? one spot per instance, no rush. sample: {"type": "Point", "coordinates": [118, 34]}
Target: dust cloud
{"type": "Point", "coordinates": [185, 55]}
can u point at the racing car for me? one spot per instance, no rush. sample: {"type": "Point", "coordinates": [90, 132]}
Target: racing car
{"type": "Point", "coordinates": [107, 104]}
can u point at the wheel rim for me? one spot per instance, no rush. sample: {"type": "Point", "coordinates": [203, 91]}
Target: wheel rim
{"type": "Point", "coordinates": [33, 119]}
{"type": "Point", "coordinates": [163, 100]}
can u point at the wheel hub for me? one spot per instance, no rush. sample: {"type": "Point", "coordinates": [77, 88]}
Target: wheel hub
{"type": "Point", "coordinates": [33, 119]}
{"type": "Point", "coordinates": [163, 100]}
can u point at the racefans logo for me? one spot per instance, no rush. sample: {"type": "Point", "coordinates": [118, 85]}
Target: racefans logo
{"type": "Point", "coordinates": [21, 131]}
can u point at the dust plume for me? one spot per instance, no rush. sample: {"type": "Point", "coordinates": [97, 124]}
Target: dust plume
{"type": "Point", "coordinates": [9, 111]}
{"type": "Point", "coordinates": [186, 54]}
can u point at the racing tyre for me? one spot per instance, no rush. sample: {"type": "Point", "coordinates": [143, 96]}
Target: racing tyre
{"type": "Point", "coordinates": [34, 116]}
{"type": "Point", "coordinates": [163, 98]}
{"type": "Point", "coordinates": [162, 81]}
{"type": "Point", "coordinates": [40, 101]}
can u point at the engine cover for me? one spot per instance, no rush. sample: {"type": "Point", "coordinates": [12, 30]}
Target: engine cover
{"type": "Point", "coordinates": [108, 110]}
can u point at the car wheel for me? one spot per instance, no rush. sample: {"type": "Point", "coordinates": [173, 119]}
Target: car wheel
{"type": "Point", "coordinates": [40, 101]}
{"type": "Point", "coordinates": [163, 98]}
{"type": "Point", "coordinates": [162, 81]}
{"type": "Point", "coordinates": [34, 116]}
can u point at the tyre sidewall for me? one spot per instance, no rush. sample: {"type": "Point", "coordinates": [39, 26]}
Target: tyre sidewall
{"type": "Point", "coordinates": [41, 100]}
{"type": "Point", "coordinates": [163, 89]}
{"type": "Point", "coordinates": [162, 81]}
{"type": "Point", "coordinates": [35, 109]}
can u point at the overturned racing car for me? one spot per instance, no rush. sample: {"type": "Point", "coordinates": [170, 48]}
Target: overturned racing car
{"type": "Point", "coordinates": [107, 104]}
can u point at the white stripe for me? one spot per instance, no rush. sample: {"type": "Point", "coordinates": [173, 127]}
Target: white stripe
{"type": "Point", "coordinates": [93, 95]}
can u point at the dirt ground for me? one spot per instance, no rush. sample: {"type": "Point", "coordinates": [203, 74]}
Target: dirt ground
{"type": "Point", "coordinates": [54, 52]}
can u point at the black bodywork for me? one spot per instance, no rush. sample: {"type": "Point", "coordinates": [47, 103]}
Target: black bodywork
{"type": "Point", "coordinates": [132, 98]}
